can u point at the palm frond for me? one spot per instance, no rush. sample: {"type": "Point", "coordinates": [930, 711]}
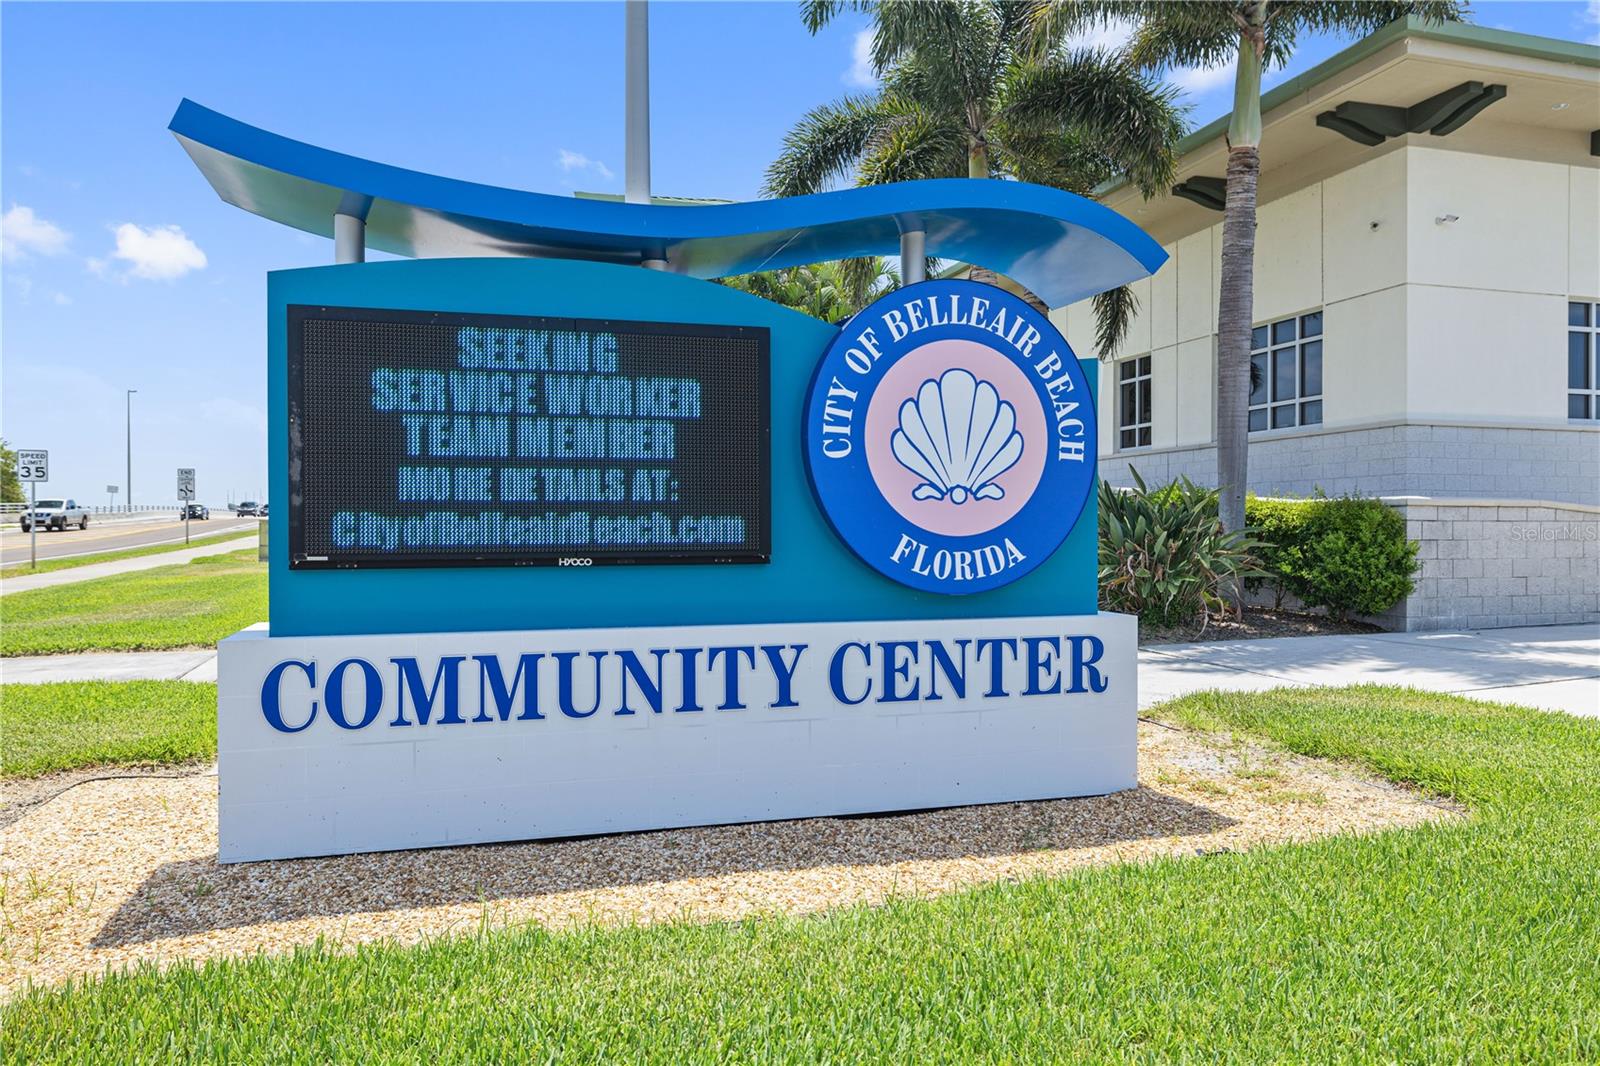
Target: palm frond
{"type": "Point", "coordinates": [1132, 119]}
{"type": "Point", "coordinates": [918, 146]}
{"type": "Point", "coordinates": [826, 145]}
{"type": "Point", "coordinates": [818, 13]}
{"type": "Point", "coordinates": [1114, 311]}
{"type": "Point", "coordinates": [1201, 33]}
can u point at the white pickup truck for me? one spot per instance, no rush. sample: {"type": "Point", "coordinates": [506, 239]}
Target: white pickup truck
{"type": "Point", "coordinates": [55, 514]}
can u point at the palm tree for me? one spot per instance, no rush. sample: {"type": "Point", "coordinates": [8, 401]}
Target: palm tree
{"type": "Point", "coordinates": [969, 89]}
{"type": "Point", "coordinates": [833, 292]}
{"type": "Point", "coordinates": [1252, 34]}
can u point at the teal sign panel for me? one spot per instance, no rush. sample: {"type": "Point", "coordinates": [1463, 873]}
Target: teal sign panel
{"type": "Point", "coordinates": [482, 444]}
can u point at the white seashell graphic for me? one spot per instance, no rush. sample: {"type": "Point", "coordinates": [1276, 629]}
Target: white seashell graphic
{"type": "Point", "coordinates": [958, 435]}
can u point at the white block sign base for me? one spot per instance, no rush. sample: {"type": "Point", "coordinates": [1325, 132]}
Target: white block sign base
{"type": "Point", "coordinates": [332, 745]}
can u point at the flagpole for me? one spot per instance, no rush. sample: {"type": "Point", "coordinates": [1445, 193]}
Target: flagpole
{"type": "Point", "coordinates": [636, 166]}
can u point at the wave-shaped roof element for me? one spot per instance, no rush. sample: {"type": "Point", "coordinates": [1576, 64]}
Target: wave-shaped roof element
{"type": "Point", "coordinates": [1062, 247]}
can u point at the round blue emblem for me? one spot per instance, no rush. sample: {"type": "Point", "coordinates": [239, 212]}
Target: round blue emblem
{"type": "Point", "coordinates": [950, 436]}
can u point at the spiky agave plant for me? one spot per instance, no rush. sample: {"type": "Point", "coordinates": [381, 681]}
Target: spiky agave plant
{"type": "Point", "coordinates": [1165, 557]}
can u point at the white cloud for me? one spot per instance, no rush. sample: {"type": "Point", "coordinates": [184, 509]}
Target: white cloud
{"type": "Point", "coordinates": [23, 233]}
{"type": "Point", "coordinates": [861, 75]}
{"type": "Point", "coordinates": [1197, 81]}
{"type": "Point", "coordinates": [570, 161]}
{"type": "Point", "coordinates": [1591, 17]}
{"type": "Point", "coordinates": [1112, 36]}
{"type": "Point", "coordinates": [159, 253]}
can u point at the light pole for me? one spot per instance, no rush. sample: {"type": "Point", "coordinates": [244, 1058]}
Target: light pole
{"type": "Point", "coordinates": [129, 496]}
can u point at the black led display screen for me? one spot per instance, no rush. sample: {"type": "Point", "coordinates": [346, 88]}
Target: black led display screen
{"type": "Point", "coordinates": [421, 439]}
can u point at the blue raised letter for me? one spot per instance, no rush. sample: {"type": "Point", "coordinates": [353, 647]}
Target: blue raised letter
{"type": "Point", "coordinates": [492, 680]}
{"type": "Point", "coordinates": [1083, 665]}
{"type": "Point", "coordinates": [1042, 664]}
{"type": "Point", "coordinates": [784, 674]}
{"type": "Point", "coordinates": [269, 695]}
{"type": "Point", "coordinates": [564, 660]}
{"type": "Point", "coordinates": [997, 663]}
{"type": "Point", "coordinates": [730, 672]}
{"type": "Point", "coordinates": [895, 670]}
{"type": "Point", "coordinates": [649, 687]}
{"type": "Point", "coordinates": [836, 672]}
{"type": "Point", "coordinates": [334, 693]}
{"type": "Point", "coordinates": [448, 674]}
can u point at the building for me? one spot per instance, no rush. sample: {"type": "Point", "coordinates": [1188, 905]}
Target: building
{"type": "Point", "coordinates": [1427, 306]}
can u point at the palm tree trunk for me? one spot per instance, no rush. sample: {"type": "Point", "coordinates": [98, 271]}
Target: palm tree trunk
{"type": "Point", "coordinates": [1234, 314]}
{"type": "Point", "coordinates": [1237, 283]}
{"type": "Point", "coordinates": [978, 167]}
{"type": "Point", "coordinates": [989, 277]}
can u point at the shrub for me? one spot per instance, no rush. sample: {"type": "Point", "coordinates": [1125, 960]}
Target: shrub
{"type": "Point", "coordinates": [1280, 527]}
{"type": "Point", "coordinates": [1348, 554]}
{"type": "Point", "coordinates": [1351, 556]}
{"type": "Point", "coordinates": [1164, 556]}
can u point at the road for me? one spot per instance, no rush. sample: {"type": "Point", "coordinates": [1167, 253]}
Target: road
{"type": "Point", "coordinates": [108, 536]}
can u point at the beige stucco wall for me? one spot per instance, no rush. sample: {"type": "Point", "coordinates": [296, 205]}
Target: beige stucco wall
{"type": "Point", "coordinates": [1423, 320]}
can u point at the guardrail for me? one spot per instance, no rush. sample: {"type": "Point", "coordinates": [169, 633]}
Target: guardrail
{"type": "Point", "coordinates": [9, 509]}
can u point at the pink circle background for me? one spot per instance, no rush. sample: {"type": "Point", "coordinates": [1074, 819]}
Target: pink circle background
{"type": "Point", "coordinates": [900, 383]}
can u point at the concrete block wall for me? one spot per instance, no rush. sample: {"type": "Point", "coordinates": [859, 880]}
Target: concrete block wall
{"type": "Point", "coordinates": [1404, 459]}
{"type": "Point", "coordinates": [1490, 564]}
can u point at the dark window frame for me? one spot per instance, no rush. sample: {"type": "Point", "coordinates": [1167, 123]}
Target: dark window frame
{"type": "Point", "coordinates": [1134, 427]}
{"type": "Point", "coordinates": [1294, 344]}
{"type": "Point", "coordinates": [1583, 328]}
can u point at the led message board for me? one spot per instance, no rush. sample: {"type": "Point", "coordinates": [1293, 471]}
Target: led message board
{"type": "Point", "coordinates": [421, 439]}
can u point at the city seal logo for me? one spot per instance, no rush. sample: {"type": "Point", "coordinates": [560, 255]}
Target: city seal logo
{"type": "Point", "coordinates": [950, 437]}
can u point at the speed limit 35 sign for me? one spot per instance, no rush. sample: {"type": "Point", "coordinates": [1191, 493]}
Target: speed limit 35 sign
{"type": "Point", "coordinates": [33, 465]}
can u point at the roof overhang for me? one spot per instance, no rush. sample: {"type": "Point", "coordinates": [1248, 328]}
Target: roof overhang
{"type": "Point", "coordinates": [1409, 70]}
{"type": "Point", "coordinates": [1061, 246]}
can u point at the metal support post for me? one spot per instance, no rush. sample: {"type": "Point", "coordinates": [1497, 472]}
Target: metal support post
{"type": "Point", "coordinates": [349, 239]}
{"type": "Point", "coordinates": [913, 256]}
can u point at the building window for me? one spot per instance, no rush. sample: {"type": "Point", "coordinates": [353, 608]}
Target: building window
{"type": "Point", "coordinates": [1133, 403]}
{"type": "Point", "coordinates": [1286, 373]}
{"type": "Point", "coordinates": [1583, 355]}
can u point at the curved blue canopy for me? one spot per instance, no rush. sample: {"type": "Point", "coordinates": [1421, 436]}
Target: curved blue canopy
{"type": "Point", "coordinates": [1061, 246]}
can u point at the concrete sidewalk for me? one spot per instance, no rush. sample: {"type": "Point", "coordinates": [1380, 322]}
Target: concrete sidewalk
{"type": "Point", "coordinates": [1549, 667]}
{"type": "Point", "coordinates": [196, 664]}
{"type": "Point", "coordinates": [90, 571]}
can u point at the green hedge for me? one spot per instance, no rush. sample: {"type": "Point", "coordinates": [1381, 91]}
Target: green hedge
{"type": "Point", "coordinates": [1347, 554]}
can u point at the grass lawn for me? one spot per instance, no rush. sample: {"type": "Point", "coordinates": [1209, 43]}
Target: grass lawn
{"type": "Point", "coordinates": [198, 602]}
{"type": "Point", "coordinates": [69, 724]}
{"type": "Point", "coordinates": [1470, 941]}
{"type": "Point", "coordinates": [47, 565]}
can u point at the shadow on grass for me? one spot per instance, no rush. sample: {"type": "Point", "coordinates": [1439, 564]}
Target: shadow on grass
{"type": "Point", "coordinates": [200, 895]}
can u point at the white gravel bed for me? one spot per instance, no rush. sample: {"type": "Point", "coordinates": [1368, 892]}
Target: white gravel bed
{"type": "Point", "coordinates": [115, 872]}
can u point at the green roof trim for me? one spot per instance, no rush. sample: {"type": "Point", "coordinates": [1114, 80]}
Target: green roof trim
{"type": "Point", "coordinates": [1523, 44]}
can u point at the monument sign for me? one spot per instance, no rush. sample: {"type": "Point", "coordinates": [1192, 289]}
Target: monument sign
{"type": "Point", "coordinates": [570, 546]}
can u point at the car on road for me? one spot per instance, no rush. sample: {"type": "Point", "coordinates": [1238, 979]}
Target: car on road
{"type": "Point", "coordinates": [247, 509]}
{"type": "Point", "coordinates": [194, 510]}
{"type": "Point", "coordinates": [55, 514]}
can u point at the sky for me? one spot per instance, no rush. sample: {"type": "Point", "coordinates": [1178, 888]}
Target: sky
{"type": "Point", "coordinates": [122, 270]}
